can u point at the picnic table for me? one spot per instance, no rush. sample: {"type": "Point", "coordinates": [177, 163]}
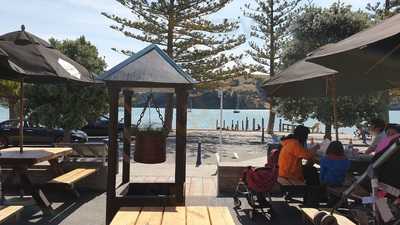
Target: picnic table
{"type": "Point", "coordinates": [20, 162]}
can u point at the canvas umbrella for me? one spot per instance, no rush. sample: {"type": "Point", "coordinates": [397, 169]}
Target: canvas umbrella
{"type": "Point", "coordinates": [372, 52]}
{"type": "Point", "coordinates": [311, 80]}
{"type": "Point", "coordinates": [25, 57]}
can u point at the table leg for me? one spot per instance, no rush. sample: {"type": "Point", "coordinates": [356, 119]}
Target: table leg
{"type": "Point", "coordinates": [56, 167]}
{"type": "Point", "coordinates": [37, 193]}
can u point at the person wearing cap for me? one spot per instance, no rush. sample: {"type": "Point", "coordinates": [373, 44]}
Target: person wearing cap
{"type": "Point", "coordinates": [377, 129]}
{"type": "Point", "coordinates": [292, 152]}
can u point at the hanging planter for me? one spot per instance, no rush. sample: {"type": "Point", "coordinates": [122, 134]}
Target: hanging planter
{"type": "Point", "coordinates": [150, 144]}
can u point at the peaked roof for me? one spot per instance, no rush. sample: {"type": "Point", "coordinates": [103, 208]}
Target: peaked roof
{"type": "Point", "coordinates": [149, 66]}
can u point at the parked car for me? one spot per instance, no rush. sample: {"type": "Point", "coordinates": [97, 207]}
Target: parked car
{"type": "Point", "coordinates": [99, 127]}
{"type": "Point", "coordinates": [9, 134]}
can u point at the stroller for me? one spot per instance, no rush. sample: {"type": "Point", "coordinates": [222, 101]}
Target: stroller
{"type": "Point", "coordinates": [256, 184]}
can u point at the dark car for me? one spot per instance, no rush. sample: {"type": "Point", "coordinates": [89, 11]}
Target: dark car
{"type": "Point", "coordinates": [99, 127]}
{"type": "Point", "coordinates": [36, 135]}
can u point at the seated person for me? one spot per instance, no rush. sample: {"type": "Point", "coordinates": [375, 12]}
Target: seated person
{"type": "Point", "coordinates": [292, 152]}
{"type": "Point", "coordinates": [377, 128]}
{"type": "Point", "coordinates": [392, 133]}
{"type": "Point", "coordinates": [334, 165]}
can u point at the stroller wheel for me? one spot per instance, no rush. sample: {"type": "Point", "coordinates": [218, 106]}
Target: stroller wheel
{"type": "Point", "coordinates": [329, 220]}
{"type": "Point", "coordinates": [236, 202]}
{"type": "Point", "coordinates": [318, 217]}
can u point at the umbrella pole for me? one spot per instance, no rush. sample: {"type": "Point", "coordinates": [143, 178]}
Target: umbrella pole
{"type": "Point", "coordinates": [21, 117]}
{"type": "Point", "coordinates": [334, 102]}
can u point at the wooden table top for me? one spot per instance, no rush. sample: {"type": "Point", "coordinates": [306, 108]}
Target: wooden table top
{"type": "Point", "coordinates": [190, 215]}
{"type": "Point", "coordinates": [31, 155]}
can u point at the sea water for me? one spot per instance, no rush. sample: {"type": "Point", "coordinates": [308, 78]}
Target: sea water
{"type": "Point", "coordinates": [207, 118]}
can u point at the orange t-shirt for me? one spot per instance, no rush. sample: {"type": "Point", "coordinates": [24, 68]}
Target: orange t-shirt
{"type": "Point", "coordinates": [290, 156]}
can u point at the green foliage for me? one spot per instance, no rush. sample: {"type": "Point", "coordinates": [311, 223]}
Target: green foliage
{"type": "Point", "coordinates": [187, 34]}
{"type": "Point", "coordinates": [69, 105]}
{"type": "Point", "coordinates": [379, 11]}
{"type": "Point", "coordinates": [271, 31]}
{"type": "Point", "coordinates": [313, 28]}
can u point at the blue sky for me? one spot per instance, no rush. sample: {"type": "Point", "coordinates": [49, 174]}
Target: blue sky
{"type": "Point", "coordinates": [69, 19]}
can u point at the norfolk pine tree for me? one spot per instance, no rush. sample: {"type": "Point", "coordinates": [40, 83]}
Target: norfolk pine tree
{"type": "Point", "coordinates": [183, 29]}
{"type": "Point", "coordinates": [270, 32]}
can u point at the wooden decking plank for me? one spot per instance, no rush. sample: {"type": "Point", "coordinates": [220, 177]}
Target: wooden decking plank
{"type": "Point", "coordinates": [126, 216]}
{"type": "Point", "coordinates": [187, 185]}
{"type": "Point", "coordinates": [174, 216]}
{"type": "Point", "coordinates": [310, 213]}
{"type": "Point", "coordinates": [209, 186]}
{"type": "Point", "coordinates": [150, 216]}
{"type": "Point", "coordinates": [9, 211]}
{"type": "Point", "coordinates": [196, 186]}
{"type": "Point", "coordinates": [197, 215]}
{"type": "Point", "coordinates": [220, 216]}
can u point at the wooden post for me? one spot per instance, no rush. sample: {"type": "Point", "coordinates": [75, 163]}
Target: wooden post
{"type": "Point", "coordinates": [237, 125]}
{"type": "Point", "coordinates": [216, 125]}
{"type": "Point", "coordinates": [232, 126]}
{"type": "Point", "coordinates": [224, 125]}
{"type": "Point", "coordinates": [180, 158]}
{"type": "Point", "coordinates": [242, 125]}
{"type": "Point", "coordinates": [21, 117]}
{"type": "Point", "coordinates": [126, 159]}
{"type": "Point", "coordinates": [280, 125]}
{"type": "Point", "coordinates": [262, 131]}
{"type": "Point", "coordinates": [112, 154]}
{"type": "Point", "coordinates": [254, 124]}
{"type": "Point", "coordinates": [247, 123]}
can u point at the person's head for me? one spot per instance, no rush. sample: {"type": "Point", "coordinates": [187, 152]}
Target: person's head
{"type": "Point", "coordinates": [335, 148]}
{"type": "Point", "coordinates": [392, 129]}
{"type": "Point", "coordinates": [301, 133]}
{"type": "Point", "coordinates": [377, 126]}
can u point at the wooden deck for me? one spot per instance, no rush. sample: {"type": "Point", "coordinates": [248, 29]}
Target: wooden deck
{"type": "Point", "coordinates": [196, 215]}
{"type": "Point", "coordinates": [195, 186]}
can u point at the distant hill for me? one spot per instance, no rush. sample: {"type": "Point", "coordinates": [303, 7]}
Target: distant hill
{"type": "Point", "coordinates": [246, 93]}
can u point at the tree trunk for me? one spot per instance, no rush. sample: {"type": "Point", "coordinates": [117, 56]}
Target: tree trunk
{"type": "Point", "coordinates": [328, 130]}
{"type": "Point", "coordinates": [12, 109]}
{"type": "Point", "coordinates": [169, 107]}
{"type": "Point", "coordinates": [67, 136]}
{"type": "Point", "coordinates": [272, 54]}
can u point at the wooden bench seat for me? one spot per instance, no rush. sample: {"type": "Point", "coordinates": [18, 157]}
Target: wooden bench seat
{"type": "Point", "coordinates": [196, 215]}
{"type": "Point", "coordinates": [73, 176]}
{"type": "Point", "coordinates": [357, 194]}
{"type": "Point", "coordinates": [286, 182]}
{"type": "Point", "coordinates": [8, 212]}
{"type": "Point", "coordinates": [309, 214]}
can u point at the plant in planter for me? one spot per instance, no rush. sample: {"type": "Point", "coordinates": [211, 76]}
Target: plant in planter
{"type": "Point", "coordinates": [150, 145]}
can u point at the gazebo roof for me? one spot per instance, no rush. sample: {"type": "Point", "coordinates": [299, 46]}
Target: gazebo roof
{"type": "Point", "coordinates": [149, 67]}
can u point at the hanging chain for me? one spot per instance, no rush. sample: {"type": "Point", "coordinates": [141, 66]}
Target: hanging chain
{"type": "Point", "coordinates": [148, 101]}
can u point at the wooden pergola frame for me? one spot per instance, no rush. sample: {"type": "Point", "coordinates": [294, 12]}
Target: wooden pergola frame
{"type": "Point", "coordinates": [115, 196]}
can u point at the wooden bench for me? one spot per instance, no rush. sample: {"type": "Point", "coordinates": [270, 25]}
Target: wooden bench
{"type": "Point", "coordinates": [229, 174]}
{"type": "Point", "coordinates": [193, 215]}
{"type": "Point", "coordinates": [309, 214]}
{"type": "Point", "coordinates": [87, 152]}
{"type": "Point", "coordinates": [70, 178]}
{"type": "Point", "coordinates": [10, 211]}
{"type": "Point", "coordinates": [291, 188]}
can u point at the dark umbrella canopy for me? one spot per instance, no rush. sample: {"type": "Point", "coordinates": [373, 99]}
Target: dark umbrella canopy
{"type": "Point", "coordinates": [25, 57]}
{"type": "Point", "coordinates": [305, 79]}
{"type": "Point", "coordinates": [372, 52]}
{"type": "Point", "coordinates": [38, 60]}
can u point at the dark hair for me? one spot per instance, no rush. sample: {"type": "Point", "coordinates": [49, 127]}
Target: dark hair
{"type": "Point", "coordinates": [301, 133]}
{"type": "Point", "coordinates": [335, 148]}
{"type": "Point", "coordinates": [378, 123]}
